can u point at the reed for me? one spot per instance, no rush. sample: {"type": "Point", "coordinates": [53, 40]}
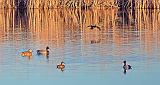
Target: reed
{"type": "Point", "coordinates": [148, 4]}
{"type": "Point", "coordinates": [85, 4]}
{"type": "Point", "coordinates": [59, 3]}
{"type": "Point", "coordinates": [52, 26]}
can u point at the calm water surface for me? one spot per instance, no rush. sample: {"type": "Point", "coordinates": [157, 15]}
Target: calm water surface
{"type": "Point", "coordinates": [92, 57]}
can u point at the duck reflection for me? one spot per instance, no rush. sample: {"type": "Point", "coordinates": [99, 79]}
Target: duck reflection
{"type": "Point", "coordinates": [95, 41]}
{"type": "Point", "coordinates": [61, 69]}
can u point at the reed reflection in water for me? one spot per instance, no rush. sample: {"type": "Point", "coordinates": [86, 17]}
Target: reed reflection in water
{"type": "Point", "coordinates": [93, 56]}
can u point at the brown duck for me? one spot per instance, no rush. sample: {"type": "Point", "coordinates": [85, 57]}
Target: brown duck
{"type": "Point", "coordinates": [26, 53]}
{"type": "Point", "coordinates": [61, 66]}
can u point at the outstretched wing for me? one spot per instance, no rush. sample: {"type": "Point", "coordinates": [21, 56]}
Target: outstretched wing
{"type": "Point", "coordinates": [98, 27]}
{"type": "Point", "coordinates": [89, 26]}
{"type": "Point", "coordinates": [94, 26]}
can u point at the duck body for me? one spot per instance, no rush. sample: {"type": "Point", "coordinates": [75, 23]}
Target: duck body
{"type": "Point", "coordinates": [126, 66]}
{"type": "Point", "coordinates": [61, 66]}
{"type": "Point", "coordinates": [43, 52]}
{"type": "Point", "coordinates": [27, 53]}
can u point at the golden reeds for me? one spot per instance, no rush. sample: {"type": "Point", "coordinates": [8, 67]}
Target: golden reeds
{"type": "Point", "coordinates": [85, 4]}
{"type": "Point", "coordinates": [148, 4]}
{"type": "Point", "coordinates": [59, 3]}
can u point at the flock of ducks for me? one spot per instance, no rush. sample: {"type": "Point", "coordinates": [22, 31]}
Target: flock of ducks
{"type": "Point", "coordinates": [61, 66]}
{"type": "Point", "coordinates": [45, 52]}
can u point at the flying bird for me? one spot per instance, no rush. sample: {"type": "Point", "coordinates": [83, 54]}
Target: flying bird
{"type": "Point", "coordinates": [94, 26]}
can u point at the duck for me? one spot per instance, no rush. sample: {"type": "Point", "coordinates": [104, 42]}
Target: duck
{"type": "Point", "coordinates": [61, 66]}
{"type": "Point", "coordinates": [126, 66]}
{"type": "Point", "coordinates": [43, 52]}
{"type": "Point", "coordinates": [27, 53]}
{"type": "Point", "coordinates": [94, 26]}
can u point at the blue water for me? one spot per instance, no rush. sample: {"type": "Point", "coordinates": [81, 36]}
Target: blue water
{"type": "Point", "coordinates": [92, 57]}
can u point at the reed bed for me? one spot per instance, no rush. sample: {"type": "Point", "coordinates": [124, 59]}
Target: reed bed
{"type": "Point", "coordinates": [52, 25]}
{"type": "Point", "coordinates": [84, 4]}
{"type": "Point", "coordinates": [147, 4]}
{"type": "Point", "coordinates": [49, 4]}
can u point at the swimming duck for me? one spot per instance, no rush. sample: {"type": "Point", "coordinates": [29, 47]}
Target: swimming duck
{"type": "Point", "coordinates": [61, 66]}
{"type": "Point", "coordinates": [126, 66]}
{"type": "Point", "coordinates": [43, 52]}
{"type": "Point", "coordinates": [27, 53]}
{"type": "Point", "coordinates": [94, 26]}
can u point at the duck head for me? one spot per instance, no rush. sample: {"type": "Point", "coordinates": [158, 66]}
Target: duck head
{"type": "Point", "coordinates": [61, 66]}
{"type": "Point", "coordinates": [30, 50]}
{"type": "Point", "coordinates": [47, 48]}
{"type": "Point", "coordinates": [124, 62]}
{"type": "Point", "coordinates": [62, 63]}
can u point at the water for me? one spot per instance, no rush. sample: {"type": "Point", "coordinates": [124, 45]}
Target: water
{"type": "Point", "coordinates": [92, 57]}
